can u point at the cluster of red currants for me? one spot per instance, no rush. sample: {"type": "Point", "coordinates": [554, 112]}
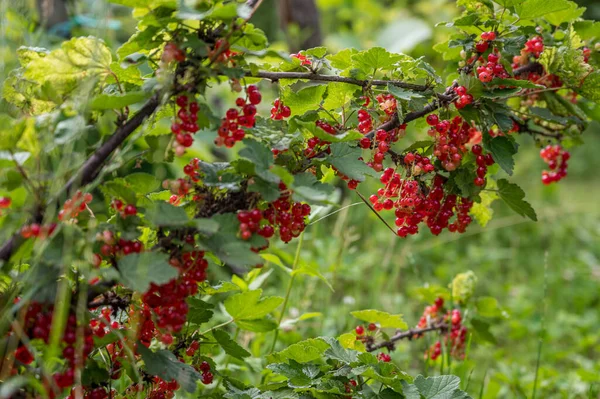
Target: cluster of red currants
{"type": "Point", "coordinates": [365, 121]}
{"type": "Point", "coordinates": [556, 157]}
{"type": "Point", "coordinates": [282, 214]}
{"type": "Point", "coordinates": [37, 325]}
{"type": "Point", "coordinates": [221, 52]}
{"type": "Point", "coordinates": [482, 161]}
{"type": "Point", "coordinates": [450, 139]}
{"type": "Point", "coordinates": [168, 301]}
{"type": "Point", "coordinates": [383, 142]}
{"type": "Point", "coordinates": [534, 46]}
{"type": "Point", "coordinates": [172, 52]}
{"type": "Point", "coordinates": [230, 131]}
{"type": "Point", "coordinates": [349, 387]}
{"type": "Point", "coordinates": [122, 209]}
{"type": "Point", "coordinates": [35, 230]}
{"type": "Point", "coordinates": [113, 247]}
{"type": "Point", "coordinates": [418, 164]}
{"type": "Point", "coordinates": [279, 110]}
{"type": "Point", "coordinates": [207, 376]}
{"type": "Point", "coordinates": [179, 187]}
{"type": "Point", "coordinates": [162, 389]}
{"type": "Point", "coordinates": [94, 393]}
{"type": "Point", "coordinates": [482, 45]}
{"type": "Point", "coordinates": [450, 322]}
{"type": "Point", "coordinates": [413, 206]}
{"type": "Point", "coordinates": [314, 145]}
{"type": "Point", "coordinates": [73, 206]}
{"type": "Point", "coordinates": [493, 68]}
{"type": "Point", "coordinates": [360, 330]}
{"type": "Point", "coordinates": [185, 124]}
{"type": "Point", "coordinates": [464, 98]}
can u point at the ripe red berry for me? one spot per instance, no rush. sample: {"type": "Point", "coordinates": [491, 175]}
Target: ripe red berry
{"type": "Point", "coordinates": [372, 327]}
{"type": "Point", "coordinates": [432, 120]}
{"type": "Point", "coordinates": [130, 210]}
{"type": "Point", "coordinates": [204, 367]}
{"type": "Point", "coordinates": [254, 97]}
{"type": "Point", "coordinates": [5, 202]}
{"type": "Point", "coordinates": [360, 330]}
{"type": "Point", "coordinates": [481, 46]}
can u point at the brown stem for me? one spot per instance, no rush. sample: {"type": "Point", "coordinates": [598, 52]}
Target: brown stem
{"type": "Point", "coordinates": [531, 67]}
{"type": "Point", "coordinates": [408, 334]}
{"type": "Point", "coordinates": [276, 76]}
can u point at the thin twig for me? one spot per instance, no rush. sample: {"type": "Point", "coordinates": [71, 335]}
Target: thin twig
{"type": "Point", "coordinates": [276, 76]}
{"type": "Point", "coordinates": [408, 334]}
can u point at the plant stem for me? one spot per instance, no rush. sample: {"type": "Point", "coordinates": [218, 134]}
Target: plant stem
{"type": "Point", "coordinates": [215, 327]}
{"type": "Point", "coordinates": [289, 290]}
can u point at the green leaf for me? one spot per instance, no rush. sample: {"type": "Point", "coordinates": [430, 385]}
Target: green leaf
{"type": "Point", "coordinates": [78, 59]}
{"type": "Point", "coordinates": [569, 14]}
{"type": "Point", "coordinates": [587, 29]}
{"type": "Point", "coordinates": [303, 100]}
{"type": "Point", "coordinates": [11, 130]}
{"type": "Point", "coordinates": [228, 247]}
{"type": "Point", "coordinates": [199, 311]}
{"type": "Point", "coordinates": [310, 270]}
{"type": "Point", "coordinates": [106, 101]}
{"type": "Point", "coordinates": [440, 387]}
{"type": "Point", "coordinates": [590, 88]}
{"type": "Point", "coordinates": [206, 226]}
{"type": "Point", "coordinates": [500, 93]}
{"type": "Point", "coordinates": [338, 95]}
{"type": "Point", "coordinates": [513, 196]}
{"type": "Point", "coordinates": [142, 183]}
{"type": "Point", "coordinates": [526, 84]}
{"type": "Point", "coordinates": [464, 178]}
{"type": "Point", "coordinates": [345, 159]}
{"type": "Point", "coordinates": [482, 211]}
{"type": "Point", "coordinates": [532, 9]}
{"type": "Point", "coordinates": [259, 325]}
{"type": "Point", "coordinates": [375, 58]}
{"type": "Point", "coordinates": [249, 306]}
{"type": "Point", "coordinates": [338, 352]}
{"type": "Point", "coordinates": [230, 347]}
{"type": "Point", "coordinates": [403, 94]}
{"type": "Point", "coordinates": [138, 271]}
{"type": "Point", "coordinates": [343, 59]}
{"type": "Point", "coordinates": [261, 158]}
{"type": "Point", "coordinates": [306, 187]}
{"type": "Point", "coordinates": [384, 319]}
{"type": "Point", "coordinates": [164, 364]}
{"type": "Point", "coordinates": [302, 352]}
{"type": "Point", "coordinates": [488, 306]}
{"type": "Point", "coordinates": [502, 150]}
{"type": "Point", "coordinates": [93, 373]}
{"type": "Point", "coordinates": [299, 375]}
{"type": "Point", "coordinates": [482, 329]}
{"type": "Point", "coordinates": [547, 115]}
{"type": "Point", "coordinates": [317, 52]}
{"type": "Point", "coordinates": [269, 191]}
{"type": "Point", "coordinates": [164, 214]}
{"type": "Point", "coordinates": [351, 135]}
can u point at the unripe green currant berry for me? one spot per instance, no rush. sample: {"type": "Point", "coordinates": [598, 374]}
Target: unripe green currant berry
{"type": "Point", "coordinates": [463, 54]}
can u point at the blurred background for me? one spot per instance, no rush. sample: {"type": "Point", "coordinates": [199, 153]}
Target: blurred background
{"type": "Point", "coordinates": [545, 275]}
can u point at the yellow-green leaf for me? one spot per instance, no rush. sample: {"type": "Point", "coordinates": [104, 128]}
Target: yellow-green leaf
{"type": "Point", "coordinates": [384, 319]}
